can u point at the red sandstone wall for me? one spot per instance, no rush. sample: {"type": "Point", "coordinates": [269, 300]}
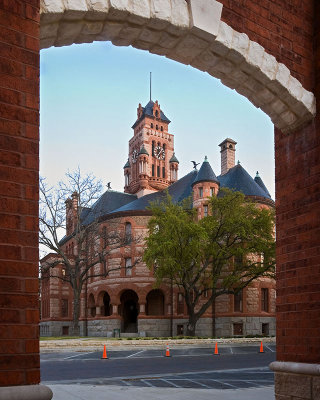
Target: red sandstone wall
{"type": "Point", "coordinates": [283, 27]}
{"type": "Point", "coordinates": [19, 120]}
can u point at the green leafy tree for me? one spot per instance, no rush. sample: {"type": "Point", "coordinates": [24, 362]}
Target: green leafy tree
{"type": "Point", "coordinates": [220, 254]}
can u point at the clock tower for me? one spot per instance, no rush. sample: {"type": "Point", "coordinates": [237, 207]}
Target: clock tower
{"type": "Point", "coordinates": [151, 164]}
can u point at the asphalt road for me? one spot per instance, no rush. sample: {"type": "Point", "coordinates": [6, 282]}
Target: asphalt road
{"type": "Point", "coordinates": [235, 367]}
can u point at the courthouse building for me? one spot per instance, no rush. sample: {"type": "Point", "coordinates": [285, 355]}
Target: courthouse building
{"type": "Point", "coordinates": [127, 299]}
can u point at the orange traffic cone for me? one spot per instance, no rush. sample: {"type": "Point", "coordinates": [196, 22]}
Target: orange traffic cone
{"type": "Point", "coordinates": [167, 351]}
{"type": "Point", "coordinates": [261, 348]}
{"type": "Point", "coordinates": [216, 352]}
{"type": "Point", "coordinates": [104, 354]}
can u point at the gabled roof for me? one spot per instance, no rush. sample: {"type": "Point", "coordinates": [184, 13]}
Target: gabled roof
{"type": "Point", "coordinates": [108, 202]}
{"type": "Point", "coordinates": [259, 181]}
{"type": "Point", "coordinates": [237, 178]}
{"type": "Point", "coordinates": [205, 173]}
{"type": "Point", "coordinates": [148, 111]}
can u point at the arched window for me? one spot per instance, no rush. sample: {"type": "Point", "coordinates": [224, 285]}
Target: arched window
{"type": "Point", "coordinates": [151, 125]}
{"type": "Point", "coordinates": [157, 113]}
{"type": "Point", "coordinates": [161, 128]}
{"type": "Point", "coordinates": [157, 127]}
{"type": "Point", "coordinates": [128, 233]}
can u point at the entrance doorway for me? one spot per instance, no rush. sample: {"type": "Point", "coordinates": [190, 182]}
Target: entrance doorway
{"type": "Point", "coordinates": [129, 312]}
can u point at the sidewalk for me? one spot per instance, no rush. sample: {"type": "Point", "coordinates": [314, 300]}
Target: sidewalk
{"type": "Point", "coordinates": [90, 392]}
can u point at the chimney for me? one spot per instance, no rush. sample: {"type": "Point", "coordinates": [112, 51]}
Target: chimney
{"type": "Point", "coordinates": [228, 153]}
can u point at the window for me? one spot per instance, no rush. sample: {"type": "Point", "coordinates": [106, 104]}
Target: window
{"type": "Point", "coordinates": [205, 210]}
{"type": "Point", "coordinates": [265, 329]}
{"type": "Point", "coordinates": [180, 304]}
{"type": "Point", "coordinates": [157, 114]}
{"type": "Point", "coordinates": [264, 299]}
{"type": "Point", "coordinates": [151, 126]}
{"type": "Point", "coordinates": [212, 191]}
{"type": "Point", "coordinates": [153, 147]}
{"type": "Point", "coordinates": [206, 293]}
{"type": "Point", "coordinates": [238, 329]}
{"type": "Point", "coordinates": [158, 171]}
{"type": "Point", "coordinates": [201, 192]}
{"type": "Point", "coordinates": [64, 308]}
{"type": "Point", "coordinates": [65, 331]}
{"type": "Point", "coordinates": [128, 267]}
{"type": "Point", "coordinates": [161, 128]}
{"type": "Point", "coordinates": [127, 233]}
{"type": "Point", "coordinates": [237, 302]}
{"type": "Point", "coordinates": [163, 172]}
{"type": "Point", "coordinates": [152, 169]}
{"type": "Point", "coordinates": [157, 127]}
{"type": "Point", "coordinates": [164, 147]}
{"type": "Point", "coordinates": [179, 330]}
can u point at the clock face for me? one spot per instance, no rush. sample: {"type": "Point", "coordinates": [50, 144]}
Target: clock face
{"type": "Point", "coordinates": [159, 153]}
{"type": "Point", "coordinates": [134, 156]}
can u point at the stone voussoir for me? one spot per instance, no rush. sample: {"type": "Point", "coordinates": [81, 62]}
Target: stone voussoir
{"type": "Point", "coordinates": [191, 33]}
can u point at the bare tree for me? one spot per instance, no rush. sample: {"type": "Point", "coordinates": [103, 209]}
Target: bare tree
{"type": "Point", "coordinates": [91, 242]}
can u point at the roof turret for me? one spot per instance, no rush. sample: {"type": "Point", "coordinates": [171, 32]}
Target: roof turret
{"type": "Point", "coordinates": [259, 181]}
{"type": "Point", "coordinates": [127, 164]}
{"type": "Point", "coordinates": [143, 150]}
{"type": "Point", "coordinates": [174, 159]}
{"type": "Point", "coordinates": [205, 173]}
{"type": "Point", "coordinates": [237, 178]}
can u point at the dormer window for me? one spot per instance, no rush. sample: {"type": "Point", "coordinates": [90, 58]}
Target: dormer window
{"type": "Point", "coordinates": [157, 113]}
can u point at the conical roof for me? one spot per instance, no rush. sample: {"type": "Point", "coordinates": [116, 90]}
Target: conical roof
{"type": "Point", "coordinates": [174, 159]}
{"type": "Point", "coordinates": [237, 178]}
{"type": "Point", "coordinates": [127, 164]}
{"type": "Point", "coordinates": [259, 181]}
{"type": "Point", "coordinates": [205, 173]}
{"type": "Point", "coordinates": [143, 150]}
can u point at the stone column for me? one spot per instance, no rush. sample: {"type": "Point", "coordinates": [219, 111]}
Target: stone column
{"type": "Point", "coordinates": [98, 311]}
{"type": "Point", "coordinates": [142, 309]}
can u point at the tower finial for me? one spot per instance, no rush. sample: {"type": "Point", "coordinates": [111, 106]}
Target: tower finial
{"type": "Point", "coordinates": [150, 84]}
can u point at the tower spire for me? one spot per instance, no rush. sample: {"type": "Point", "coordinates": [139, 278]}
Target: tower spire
{"type": "Point", "coordinates": [150, 84]}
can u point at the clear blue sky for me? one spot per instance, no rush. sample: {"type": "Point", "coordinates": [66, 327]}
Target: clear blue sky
{"type": "Point", "coordinates": [88, 100]}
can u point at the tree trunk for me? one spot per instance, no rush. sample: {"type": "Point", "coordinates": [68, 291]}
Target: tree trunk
{"type": "Point", "coordinates": [191, 326]}
{"type": "Point", "coordinates": [76, 313]}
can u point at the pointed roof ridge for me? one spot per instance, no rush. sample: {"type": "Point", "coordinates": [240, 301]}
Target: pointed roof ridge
{"type": "Point", "coordinates": [205, 173]}
{"type": "Point", "coordinates": [174, 158]}
{"type": "Point", "coordinates": [127, 164]}
{"type": "Point", "coordinates": [148, 111]}
{"type": "Point", "coordinates": [143, 150]}
{"type": "Point", "coordinates": [260, 182]}
{"type": "Point", "coordinates": [237, 178]}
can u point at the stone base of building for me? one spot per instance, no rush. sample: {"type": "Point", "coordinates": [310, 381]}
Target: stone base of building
{"type": "Point", "coordinates": [228, 326]}
{"type": "Point", "coordinates": [28, 392]}
{"type": "Point", "coordinates": [160, 327]}
{"type": "Point", "coordinates": [296, 381]}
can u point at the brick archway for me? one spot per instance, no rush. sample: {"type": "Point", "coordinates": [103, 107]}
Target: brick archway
{"type": "Point", "coordinates": [268, 51]}
{"type": "Point", "coordinates": [190, 32]}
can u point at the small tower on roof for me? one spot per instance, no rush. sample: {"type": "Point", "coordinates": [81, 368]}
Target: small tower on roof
{"type": "Point", "coordinates": [204, 186]}
{"type": "Point", "coordinates": [228, 154]}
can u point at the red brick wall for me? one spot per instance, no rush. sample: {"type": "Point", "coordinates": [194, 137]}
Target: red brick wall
{"type": "Point", "coordinates": [19, 126]}
{"type": "Point", "coordinates": [298, 236]}
{"type": "Point", "coordinates": [283, 27]}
